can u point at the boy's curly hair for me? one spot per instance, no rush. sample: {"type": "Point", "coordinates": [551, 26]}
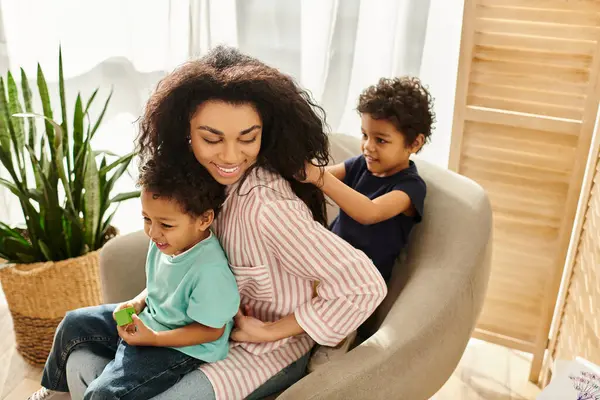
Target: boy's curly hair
{"type": "Point", "coordinates": [405, 102]}
{"type": "Point", "coordinates": [189, 185]}
{"type": "Point", "coordinates": [293, 124]}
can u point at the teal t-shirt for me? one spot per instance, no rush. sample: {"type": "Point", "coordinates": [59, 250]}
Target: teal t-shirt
{"type": "Point", "coordinates": [195, 286]}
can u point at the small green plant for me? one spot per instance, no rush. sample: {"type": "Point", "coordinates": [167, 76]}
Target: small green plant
{"type": "Point", "coordinates": [66, 205]}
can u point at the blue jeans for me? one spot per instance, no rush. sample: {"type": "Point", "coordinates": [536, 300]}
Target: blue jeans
{"type": "Point", "coordinates": [84, 366]}
{"type": "Point", "coordinates": [133, 372]}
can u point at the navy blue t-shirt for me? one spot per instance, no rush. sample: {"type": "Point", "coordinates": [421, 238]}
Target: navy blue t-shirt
{"type": "Point", "coordinates": [383, 241]}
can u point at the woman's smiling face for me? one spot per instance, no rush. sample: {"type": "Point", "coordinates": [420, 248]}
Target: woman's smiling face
{"type": "Point", "coordinates": [225, 138]}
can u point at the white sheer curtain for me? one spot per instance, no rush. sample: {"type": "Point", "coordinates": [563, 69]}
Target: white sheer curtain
{"type": "Point", "coordinates": [333, 48]}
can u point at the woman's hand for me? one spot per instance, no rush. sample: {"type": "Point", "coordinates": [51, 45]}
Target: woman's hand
{"type": "Point", "coordinates": [250, 329]}
{"type": "Point", "coordinates": [137, 333]}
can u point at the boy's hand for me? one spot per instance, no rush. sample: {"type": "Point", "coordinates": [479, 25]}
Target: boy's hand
{"type": "Point", "coordinates": [130, 303]}
{"type": "Point", "coordinates": [137, 333]}
{"type": "Point", "coordinates": [313, 174]}
{"type": "Point", "coordinates": [250, 329]}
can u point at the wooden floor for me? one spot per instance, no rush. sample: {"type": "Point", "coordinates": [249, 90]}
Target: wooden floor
{"type": "Point", "coordinates": [486, 371]}
{"type": "Point", "coordinates": [490, 372]}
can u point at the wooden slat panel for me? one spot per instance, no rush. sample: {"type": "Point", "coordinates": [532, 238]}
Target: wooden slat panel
{"type": "Point", "coordinates": [529, 107]}
{"type": "Point", "coordinates": [525, 121]}
{"type": "Point", "coordinates": [509, 152]}
{"type": "Point", "coordinates": [521, 134]}
{"type": "Point", "coordinates": [563, 46]}
{"type": "Point", "coordinates": [526, 95]}
{"type": "Point", "coordinates": [578, 6]}
{"type": "Point", "coordinates": [526, 68]}
{"type": "Point", "coordinates": [528, 28]}
{"type": "Point", "coordinates": [576, 61]}
{"type": "Point", "coordinates": [527, 82]}
{"type": "Point", "coordinates": [542, 16]}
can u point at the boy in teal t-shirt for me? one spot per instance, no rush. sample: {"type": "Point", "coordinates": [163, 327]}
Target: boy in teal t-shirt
{"type": "Point", "coordinates": [195, 286]}
{"type": "Point", "coordinates": [186, 311]}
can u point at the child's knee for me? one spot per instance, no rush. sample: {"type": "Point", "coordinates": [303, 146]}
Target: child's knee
{"type": "Point", "coordinates": [74, 320]}
{"type": "Point", "coordinates": [100, 392]}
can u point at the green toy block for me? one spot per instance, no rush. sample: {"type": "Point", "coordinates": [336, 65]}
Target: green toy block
{"type": "Point", "coordinates": [123, 316]}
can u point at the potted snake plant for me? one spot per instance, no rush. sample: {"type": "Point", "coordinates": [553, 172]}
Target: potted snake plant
{"type": "Point", "coordinates": [65, 190]}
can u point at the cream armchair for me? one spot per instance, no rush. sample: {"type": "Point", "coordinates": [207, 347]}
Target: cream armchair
{"type": "Point", "coordinates": [421, 329]}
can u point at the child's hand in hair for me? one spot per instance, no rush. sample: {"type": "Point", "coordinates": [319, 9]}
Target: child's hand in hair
{"type": "Point", "coordinates": [313, 173]}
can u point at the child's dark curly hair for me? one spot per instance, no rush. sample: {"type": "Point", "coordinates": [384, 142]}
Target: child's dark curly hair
{"type": "Point", "coordinates": [405, 102]}
{"type": "Point", "coordinates": [293, 125]}
{"type": "Point", "coordinates": [189, 185]}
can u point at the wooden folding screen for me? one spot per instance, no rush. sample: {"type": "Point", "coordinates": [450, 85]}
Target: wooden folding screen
{"type": "Point", "coordinates": [526, 104]}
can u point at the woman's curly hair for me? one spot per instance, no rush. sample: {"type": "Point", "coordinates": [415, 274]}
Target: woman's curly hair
{"type": "Point", "coordinates": [405, 102]}
{"type": "Point", "coordinates": [293, 124]}
{"type": "Point", "coordinates": [188, 183]}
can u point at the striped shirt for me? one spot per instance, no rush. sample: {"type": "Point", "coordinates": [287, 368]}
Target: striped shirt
{"type": "Point", "coordinates": [276, 251]}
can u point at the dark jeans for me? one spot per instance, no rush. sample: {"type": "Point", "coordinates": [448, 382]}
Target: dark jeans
{"type": "Point", "coordinates": [134, 372]}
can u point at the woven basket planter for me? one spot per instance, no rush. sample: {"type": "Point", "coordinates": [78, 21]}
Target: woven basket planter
{"type": "Point", "coordinates": [40, 294]}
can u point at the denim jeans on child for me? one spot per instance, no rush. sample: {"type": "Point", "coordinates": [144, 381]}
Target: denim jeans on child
{"type": "Point", "coordinates": [134, 372]}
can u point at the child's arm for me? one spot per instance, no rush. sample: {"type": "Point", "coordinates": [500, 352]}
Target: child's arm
{"type": "Point", "coordinates": [358, 206]}
{"type": "Point", "coordinates": [138, 303]}
{"type": "Point", "coordinates": [337, 170]}
{"type": "Point", "coordinates": [188, 335]}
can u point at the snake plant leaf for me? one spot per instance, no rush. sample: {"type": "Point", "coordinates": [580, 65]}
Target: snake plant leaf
{"type": "Point", "coordinates": [5, 140]}
{"type": "Point", "coordinates": [106, 224]}
{"type": "Point", "coordinates": [38, 167]}
{"type": "Point", "coordinates": [78, 126]}
{"type": "Point", "coordinates": [6, 230]}
{"type": "Point", "coordinates": [46, 106]}
{"type": "Point", "coordinates": [36, 194]}
{"type": "Point", "coordinates": [104, 152]}
{"type": "Point", "coordinates": [58, 152]}
{"type": "Point", "coordinates": [8, 136]}
{"type": "Point", "coordinates": [90, 101]}
{"type": "Point", "coordinates": [53, 213]}
{"type": "Point", "coordinates": [25, 258]}
{"type": "Point", "coordinates": [63, 108]}
{"type": "Point", "coordinates": [116, 175]}
{"type": "Point", "coordinates": [44, 159]}
{"type": "Point", "coordinates": [49, 193]}
{"type": "Point", "coordinates": [15, 245]}
{"type": "Point", "coordinates": [6, 160]}
{"type": "Point", "coordinates": [91, 200]}
{"type": "Point", "coordinates": [46, 250]}
{"type": "Point", "coordinates": [26, 89]}
{"type": "Point", "coordinates": [17, 127]}
{"type": "Point", "coordinates": [76, 184]}
{"type": "Point", "coordinates": [76, 234]}
{"type": "Point", "coordinates": [125, 159]}
{"type": "Point", "coordinates": [101, 116]}
{"type": "Point", "coordinates": [125, 196]}
{"type": "Point", "coordinates": [13, 188]}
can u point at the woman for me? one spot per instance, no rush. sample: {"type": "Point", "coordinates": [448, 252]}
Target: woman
{"type": "Point", "coordinates": [253, 130]}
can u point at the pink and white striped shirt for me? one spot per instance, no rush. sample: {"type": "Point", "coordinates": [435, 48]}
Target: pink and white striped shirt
{"type": "Point", "coordinates": [276, 251]}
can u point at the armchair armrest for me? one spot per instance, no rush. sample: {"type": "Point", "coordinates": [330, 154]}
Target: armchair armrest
{"type": "Point", "coordinates": [122, 267]}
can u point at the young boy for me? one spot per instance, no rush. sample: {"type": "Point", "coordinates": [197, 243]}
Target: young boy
{"type": "Point", "coordinates": [184, 316]}
{"type": "Point", "coordinates": [380, 193]}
